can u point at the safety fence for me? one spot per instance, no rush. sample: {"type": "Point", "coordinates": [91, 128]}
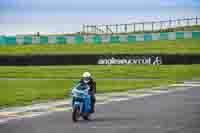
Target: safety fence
{"type": "Point", "coordinates": [141, 26]}
{"type": "Point", "coordinates": [96, 39]}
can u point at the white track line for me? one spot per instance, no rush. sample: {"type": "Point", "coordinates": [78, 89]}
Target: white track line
{"type": "Point", "coordinates": [36, 114]}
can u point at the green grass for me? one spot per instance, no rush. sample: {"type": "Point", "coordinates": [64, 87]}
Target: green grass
{"type": "Point", "coordinates": [23, 92]}
{"type": "Point", "coordinates": [171, 72]}
{"type": "Point", "coordinates": [182, 46]}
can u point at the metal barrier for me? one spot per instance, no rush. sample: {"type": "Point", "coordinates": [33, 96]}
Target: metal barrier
{"type": "Point", "coordinates": [140, 26]}
{"type": "Point", "coordinates": [96, 39]}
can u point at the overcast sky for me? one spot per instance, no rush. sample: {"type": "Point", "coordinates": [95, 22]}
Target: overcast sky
{"type": "Point", "coordinates": [21, 16]}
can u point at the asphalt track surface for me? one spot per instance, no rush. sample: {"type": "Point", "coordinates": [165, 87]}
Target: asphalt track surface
{"type": "Point", "coordinates": [176, 112]}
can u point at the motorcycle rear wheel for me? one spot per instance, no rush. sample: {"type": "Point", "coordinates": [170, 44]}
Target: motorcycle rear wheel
{"type": "Point", "coordinates": [86, 117]}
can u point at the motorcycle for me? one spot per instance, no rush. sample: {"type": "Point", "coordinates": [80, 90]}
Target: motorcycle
{"type": "Point", "coordinates": [81, 102]}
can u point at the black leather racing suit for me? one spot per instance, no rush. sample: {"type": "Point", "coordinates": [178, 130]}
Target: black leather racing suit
{"type": "Point", "coordinates": [92, 91]}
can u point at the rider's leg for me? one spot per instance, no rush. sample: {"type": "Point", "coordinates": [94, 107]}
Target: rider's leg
{"type": "Point", "coordinates": [94, 103]}
{"type": "Point", "coordinates": [93, 100]}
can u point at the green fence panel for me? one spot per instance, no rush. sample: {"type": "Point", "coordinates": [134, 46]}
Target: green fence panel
{"type": "Point", "coordinates": [164, 36]}
{"type": "Point", "coordinates": [195, 34]}
{"type": "Point", "coordinates": [114, 39]}
{"type": "Point", "coordinates": [11, 40]}
{"type": "Point", "coordinates": [97, 39]}
{"type": "Point", "coordinates": [61, 40]}
{"type": "Point", "coordinates": [147, 37]}
{"type": "Point", "coordinates": [131, 38]}
{"type": "Point", "coordinates": [44, 40]}
{"type": "Point", "coordinates": [79, 39]}
{"type": "Point", "coordinates": [28, 40]}
{"type": "Point", "coordinates": [179, 35]}
{"type": "Point", "coordinates": [2, 40]}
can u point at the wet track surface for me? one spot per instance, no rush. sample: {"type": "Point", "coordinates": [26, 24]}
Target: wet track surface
{"type": "Point", "coordinates": [176, 112]}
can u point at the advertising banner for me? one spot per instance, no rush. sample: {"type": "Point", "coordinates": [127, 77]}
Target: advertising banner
{"type": "Point", "coordinates": [108, 59]}
{"type": "Point", "coordinates": [129, 59]}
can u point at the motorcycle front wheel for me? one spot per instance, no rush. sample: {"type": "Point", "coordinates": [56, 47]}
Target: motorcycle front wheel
{"type": "Point", "coordinates": [75, 114]}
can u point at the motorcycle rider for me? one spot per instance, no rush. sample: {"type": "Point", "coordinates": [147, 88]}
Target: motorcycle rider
{"type": "Point", "coordinates": [87, 79]}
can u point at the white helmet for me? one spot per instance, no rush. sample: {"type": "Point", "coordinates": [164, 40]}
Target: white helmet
{"type": "Point", "coordinates": [86, 77]}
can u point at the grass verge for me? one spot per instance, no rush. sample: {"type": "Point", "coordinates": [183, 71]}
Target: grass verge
{"type": "Point", "coordinates": [182, 46]}
{"type": "Point", "coordinates": [24, 92]}
{"type": "Point", "coordinates": [170, 72]}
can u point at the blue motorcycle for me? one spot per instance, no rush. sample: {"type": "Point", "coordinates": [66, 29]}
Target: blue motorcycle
{"type": "Point", "coordinates": [81, 102]}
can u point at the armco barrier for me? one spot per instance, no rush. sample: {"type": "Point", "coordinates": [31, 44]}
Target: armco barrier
{"type": "Point", "coordinates": [96, 39]}
{"type": "Point", "coordinates": [122, 59]}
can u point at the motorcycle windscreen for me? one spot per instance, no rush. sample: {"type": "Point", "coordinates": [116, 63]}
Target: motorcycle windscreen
{"type": "Point", "coordinates": [81, 87]}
